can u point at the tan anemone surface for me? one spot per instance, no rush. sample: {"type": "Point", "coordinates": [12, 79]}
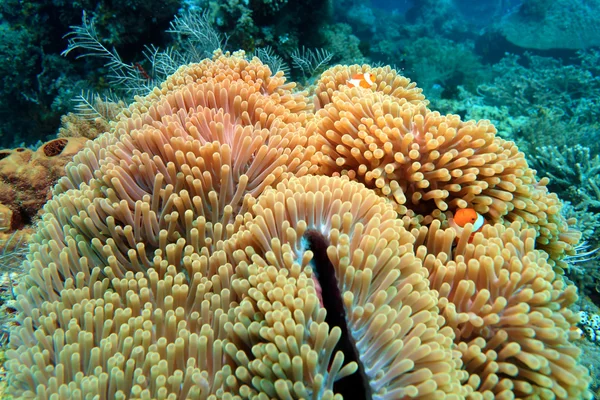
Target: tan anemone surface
{"type": "Point", "coordinates": [234, 67]}
{"type": "Point", "coordinates": [212, 245]}
{"type": "Point", "coordinates": [392, 316]}
{"type": "Point", "coordinates": [430, 163]}
{"type": "Point", "coordinates": [125, 239]}
{"type": "Point", "coordinates": [386, 81]}
{"type": "Point", "coordinates": [509, 311]}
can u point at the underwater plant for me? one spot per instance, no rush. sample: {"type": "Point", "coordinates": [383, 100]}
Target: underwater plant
{"type": "Point", "coordinates": [311, 62]}
{"type": "Point", "coordinates": [37, 83]}
{"type": "Point", "coordinates": [196, 39]}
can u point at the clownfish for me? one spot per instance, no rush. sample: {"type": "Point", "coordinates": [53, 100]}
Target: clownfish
{"type": "Point", "coordinates": [464, 216]}
{"type": "Point", "coordinates": [577, 330]}
{"type": "Point", "coordinates": [364, 80]}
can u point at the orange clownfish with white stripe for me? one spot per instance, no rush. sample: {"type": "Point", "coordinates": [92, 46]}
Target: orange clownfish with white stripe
{"type": "Point", "coordinates": [464, 216]}
{"type": "Point", "coordinates": [364, 80]}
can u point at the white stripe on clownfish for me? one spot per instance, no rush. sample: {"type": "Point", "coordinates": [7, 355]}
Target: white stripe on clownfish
{"type": "Point", "coordinates": [364, 80]}
{"type": "Point", "coordinates": [465, 216]}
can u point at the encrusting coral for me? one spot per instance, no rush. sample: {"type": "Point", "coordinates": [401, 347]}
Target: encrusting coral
{"type": "Point", "coordinates": [207, 247]}
{"type": "Point", "coordinates": [27, 177]}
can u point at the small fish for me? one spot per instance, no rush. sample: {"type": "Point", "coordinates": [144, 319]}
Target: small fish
{"type": "Point", "coordinates": [577, 329]}
{"type": "Point", "coordinates": [364, 80]}
{"type": "Point", "coordinates": [464, 216]}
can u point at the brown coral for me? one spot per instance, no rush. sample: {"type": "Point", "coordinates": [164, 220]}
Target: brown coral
{"type": "Point", "coordinates": [26, 177]}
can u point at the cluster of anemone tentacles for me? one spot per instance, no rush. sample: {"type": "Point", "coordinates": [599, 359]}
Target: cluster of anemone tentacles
{"type": "Point", "coordinates": [231, 238]}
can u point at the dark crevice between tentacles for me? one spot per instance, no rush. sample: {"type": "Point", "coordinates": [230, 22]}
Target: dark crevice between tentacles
{"type": "Point", "coordinates": [355, 386]}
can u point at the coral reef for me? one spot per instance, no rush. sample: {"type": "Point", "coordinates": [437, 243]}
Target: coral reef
{"type": "Point", "coordinates": [27, 176]}
{"type": "Point", "coordinates": [470, 106]}
{"type": "Point", "coordinates": [531, 82]}
{"type": "Point", "coordinates": [439, 61]}
{"type": "Point", "coordinates": [284, 25]}
{"type": "Point", "coordinates": [38, 81]}
{"type": "Point", "coordinates": [537, 101]}
{"type": "Point", "coordinates": [558, 24]}
{"type": "Point", "coordinates": [573, 173]}
{"type": "Point", "coordinates": [435, 17]}
{"type": "Point", "coordinates": [225, 241]}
